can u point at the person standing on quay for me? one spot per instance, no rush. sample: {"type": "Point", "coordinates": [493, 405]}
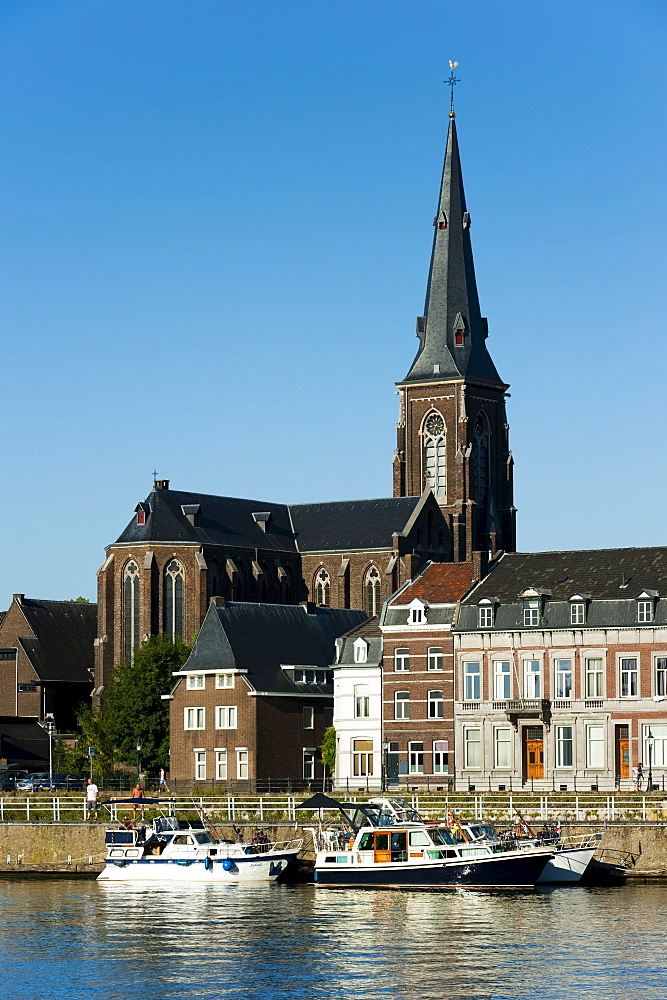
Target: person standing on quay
{"type": "Point", "coordinates": [92, 791]}
{"type": "Point", "coordinates": [637, 777]}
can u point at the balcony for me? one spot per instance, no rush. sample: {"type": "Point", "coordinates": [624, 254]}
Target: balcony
{"type": "Point", "coordinates": [526, 708]}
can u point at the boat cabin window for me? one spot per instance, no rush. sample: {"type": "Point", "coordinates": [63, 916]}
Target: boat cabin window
{"type": "Point", "coordinates": [182, 838]}
{"type": "Point", "coordinates": [419, 838]}
{"type": "Point", "coordinates": [202, 838]}
{"type": "Point", "coordinates": [366, 842]}
{"type": "Point", "coordinates": [442, 836]}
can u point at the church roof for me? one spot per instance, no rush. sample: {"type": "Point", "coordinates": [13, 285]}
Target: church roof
{"type": "Point", "coordinates": [438, 583]}
{"type": "Point", "coordinates": [203, 519]}
{"type": "Point", "coordinates": [452, 302]}
{"type": "Point", "coordinates": [61, 647]}
{"type": "Point", "coordinates": [262, 638]}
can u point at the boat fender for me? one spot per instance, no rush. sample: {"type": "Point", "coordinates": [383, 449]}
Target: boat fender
{"type": "Point", "coordinates": [208, 864]}
{"type": "Point", "coordinates": [229, 865]}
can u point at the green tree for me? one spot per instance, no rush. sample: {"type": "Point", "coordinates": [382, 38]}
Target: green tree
{"type": "Point", "coordinates": [78, 600]}
{"type": "Point", "coordinates": [328, 749]}
{"type": "Point", "coordinates": [132, 710]}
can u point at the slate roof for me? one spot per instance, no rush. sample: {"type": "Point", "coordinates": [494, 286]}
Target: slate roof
{"type": "Point", "coordinates": [371, 632]}
{"type": "Point", "coordinates": [452, 289]}
{"type": "Point", "coordinates": [316, 527]}
{"type": "Point", "coordinates": [23, 740]}
{"type": "Point", "coordinates": [613, 579]}
{"type": "Point", "coordinates": [260, 638]}
{"type": "Point", "coordinates": [64, 632]}
{"type": "Point", "coordinates": [371, 627]}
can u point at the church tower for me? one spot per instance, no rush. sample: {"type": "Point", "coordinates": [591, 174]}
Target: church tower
{"type": "Point", "coordinates": [453, 434]}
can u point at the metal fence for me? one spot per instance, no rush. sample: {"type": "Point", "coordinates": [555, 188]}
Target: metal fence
{"type": "Point", "coordinates": [278, 809]}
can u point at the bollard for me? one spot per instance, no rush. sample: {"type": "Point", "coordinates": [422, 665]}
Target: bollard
{"type": "Point", "coordinates": [9, 859]}
{"type": "Point", "coordinates": [69, 859]}
{"type": "Point", "coordinates": [90, 859]}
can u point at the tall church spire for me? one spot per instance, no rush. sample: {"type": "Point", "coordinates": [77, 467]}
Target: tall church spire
{"type": "Point", "coordinates": [452, 332]}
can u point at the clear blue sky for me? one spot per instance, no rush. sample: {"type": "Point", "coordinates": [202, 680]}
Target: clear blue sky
{"type": "Point", "coordinates": [215, 230]}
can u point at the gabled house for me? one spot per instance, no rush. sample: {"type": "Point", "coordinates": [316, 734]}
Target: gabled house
{"type": "Point", "coordinates": [46, 658]}
{"type": "Point", "coordinates": [357, 675]}
{"type": "Point", "coordinates": [252, 702]}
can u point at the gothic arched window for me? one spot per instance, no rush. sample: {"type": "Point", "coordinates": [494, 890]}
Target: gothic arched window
{"type": "Point", "coordinates": [373, 587]}
{"type": "Point", "coordinates": [480, 459]}
{"type": "Point", "coordinates": [214, 589]}
{"type": "Point", "coordinates": [435, 453]}
{"type": "Point", "coordinates": [131, 608]}
{"type": "Point", "coordinates": [322, 587]}
{"type": "Point", "coordinates": [174, 578]}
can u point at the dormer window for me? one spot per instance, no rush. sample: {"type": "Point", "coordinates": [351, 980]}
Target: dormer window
{"type": "Point", "coordinates": [141, 517]}
{"type": "Point", "coordinates": [485, 613]}
{"type": "Point", "coordinates": [458, 338]}
{"type": "Point", "coordinates": [533, 606]}
{"type": "Point", "coordinates": [191, 512]}
{"type": "Point", "coordinates": [578, 604]}
{"type": "Point", "coordinates": [360, 651]}
{"type": "Point", "coordinates": [142, 511]}
{"type": "Point", "coordinates": [418, 612]}
{"type": "Point", "coordinates": [646, 606]}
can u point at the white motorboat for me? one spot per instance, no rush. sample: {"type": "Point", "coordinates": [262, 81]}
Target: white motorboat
{"type": "Point", "coordinates": [173, 850]}
{"type": "Point", "coordinates": [571, 858]}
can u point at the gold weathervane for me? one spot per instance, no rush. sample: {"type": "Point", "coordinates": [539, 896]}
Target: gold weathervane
{"type": "Point", "coordinates": [452, 81]}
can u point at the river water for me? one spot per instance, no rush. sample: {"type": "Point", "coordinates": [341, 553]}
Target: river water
{"type": "Point", "coordinates": [78, 939]}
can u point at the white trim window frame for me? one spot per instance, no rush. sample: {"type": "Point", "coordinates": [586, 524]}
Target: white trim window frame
{"type": "Point", "coordinates": [362, 758]}
{"type": "Point", "coordinates": [472, 746]}
{"type": "Point", "coordinates": [502, 680]}
{"type": "Point", "coordinates": [532, 606]}
{"type": "Point", "coordinates": [577, 613]}
{"type": "Point", "coordinates": [595, 745]}
{"type": "Point", "coordinates": [563, 677]}
{"type": "Point", "coordinates": [660, 675]}
{"type": "Point", "coordinates": [195, 682]}
{"type": "Point", "coordinates": [564, 740]}
{"type": "Point", "coordinates": [224, 681]}
{"type": "Point", "coordinates": [485, 616]}
{"type": "Point", "coordinates": [502, 747]}
{"type": "Point", "coordinates": [436, 705]}
{"type": "Point", "coordinates": [360, 651]}
{"type": "Point", "coordinates": [416, 757]}
{"type": "Point", "coordinates": [226, 717]}
{"type": "Point", "coordinates": [645, 612]}
{"type": "Point", "coordinates": [362, 701]}
{"type": "Point", "coordinates": [242, 763]}
{"type": "Point", "coordinates": [308, 717]}
{"type": "Point", "coordinates": [434, 658]}
{"type": "Point", "coordinates": [441, 757]}
{"type": "Point", "coordinates": [401, 659]}
{"type": "Point", "coordinates": [194, 718]}
{"type": "Point", "coordinates": [200, 764]}
{"type": "Point", "coordinates": [472, 680]}
{"type": "Point", "coordinates": [628, 676]}
{"type": "Point", "coordinates": [594, 676]}
{"type": "Point", "coordinates": [220, 764]}
{"type": "Point", "coordinates": [658, 755]}
{"type": "Point", "coordinates": [532, 678]}
{"type": "Point", "coordinates": [309, 757]}
{"type": "Point", "coordinates": [401, 704]}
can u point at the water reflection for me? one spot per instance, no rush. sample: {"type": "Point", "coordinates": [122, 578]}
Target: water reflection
{"type": "Point", "coordinates": [63, 939]}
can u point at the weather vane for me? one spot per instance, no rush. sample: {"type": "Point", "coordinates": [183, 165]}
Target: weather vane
{"type": "Point", "coordinates": [452, 81]}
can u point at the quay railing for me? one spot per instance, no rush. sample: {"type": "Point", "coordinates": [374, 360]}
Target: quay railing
{"type": "Point", "coordinates": [262, 810]}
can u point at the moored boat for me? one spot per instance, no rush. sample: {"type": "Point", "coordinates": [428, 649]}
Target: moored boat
{"type": "Point", "coordinates": [571, 859]}
{"type": "Point", "coordinates": [171, 849]}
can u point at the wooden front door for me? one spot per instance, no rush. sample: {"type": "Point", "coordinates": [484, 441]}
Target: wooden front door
{"type": "Point", "coordinates": [622, 751]}
{"type": "Point", "coordinates": [533, 752]}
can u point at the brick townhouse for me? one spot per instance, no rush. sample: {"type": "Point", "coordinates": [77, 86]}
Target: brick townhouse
{"type": "Point", "coordinates": [561, 671]}
{"type": "Point", "coordinates": [251, 704]}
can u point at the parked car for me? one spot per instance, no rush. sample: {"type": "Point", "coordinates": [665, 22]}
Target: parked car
{"type": "Point", "coordinates": [9, 777]}
{"type": "Point", "coordinates": [64, 781]}
{"type": "Point", "coordinates": [32, 782]}
{"type": "Point", "coordinates": [39, 781]}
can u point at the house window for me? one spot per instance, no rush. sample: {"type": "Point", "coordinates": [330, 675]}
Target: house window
{"type": "Point", "coordinates": [141, 517]}
{"type": "Point", "coordinates": [501, 680]}
{"type": "Point", "coordinates": [328, 717]}
{"type": "Point", "coordinates": [629, 677]}
{"type": "Point", "coordinates": [241, 763]}
{"type": "Point", "coordinates": [360, 651]}
{"type": "Point", "coordinates": [658, 752]}
{"type": "Point", "coordinates": [472, 678]}
{"type": "Point", "coordinates": [200, 765]}
{"type": "Point", "coordinates": [531, 611]}
{"type": "Point", "coordinates": [595, 746]}
{"type": "Point", "coordinates": [362, 758]}
{"type": "Point", "coordinates": [225, 717]}
{"type": "Point", "coordinates": [532, 679]}
{"type": "Point", "coordinates": [402, 705]}
{"type": "Point", "coordinates": [416, 758]}
{"type": "Point", "coordinates": [373, 588]}
{"type": "Point", "coordinates": [221, 765]}
{"type": "Point", "coordinates": [563, 746]}
{"type": "Point", "coordinates": [436, 705]}
{"type": "Point", "coordinates": [644, 611]}
{"type": "Point", "coordinates": [434, 658]}
{"type": "Point", "coordinates": [661, 675]}
{"type": "Point", "coordinates": [195, 682]}
{"type": "Point", "coordinates": [174, 577]}
{"type": "Point", "coordinates": [224, 680]}
{"type": "Point", "coordinates": [401, 659]}
{"type": "Point", "coordinates": [503, 746]}
{"type": "Point", "coordinates": [322, 587]}
{"type": "Point", "coordinates": [563, 678]}
{"type": "Point", "coordinates": [441, 757]}
{"type": "Point", "coordinates": [435, 454]}
{"type": "Point", "coordinates": [132, 608]}
{"type": "Point", "coordinates": [417, 614]}
{"type": "Point", "coordinates": [362, 701]}
{"type": "Point", "coordinates": [485, 616]}
{"type": "Point", "coordinates": [577, 613]}
{"type": "Point", "coordinates": [308, 717]}
{"type": "Point", "coordinates": [473, 747]}
{"type": "Point", "coordinates": [594, 677]}
{"type": "Point", "coordinates": [309, 764]}
{"type": "Point", "coordinates": [195, 718]}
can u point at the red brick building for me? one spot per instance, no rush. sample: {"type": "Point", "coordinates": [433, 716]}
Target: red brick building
{"type": "Point", "coordinates": [418, 676]}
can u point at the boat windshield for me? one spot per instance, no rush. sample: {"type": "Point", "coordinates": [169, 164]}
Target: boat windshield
{"type": "Point", "coordinates": [441, 836]}
{"type": "Point", "coordinates": [203, 838]}
{"type": "Point", "coordinates": [481, 831]}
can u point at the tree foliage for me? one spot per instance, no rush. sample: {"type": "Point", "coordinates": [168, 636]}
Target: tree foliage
{"type": "Point", "coordinates": [328, 749]}
{"type": "Point", "coordinates": [132, 710]}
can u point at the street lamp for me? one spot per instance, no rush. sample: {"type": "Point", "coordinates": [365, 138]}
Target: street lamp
{"type": "Point", "coordinates": [138, 762]}
{"type": "Point", "coordinates": [650, 741]}
{"type": "Point", "coordinates": [50, 726]}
